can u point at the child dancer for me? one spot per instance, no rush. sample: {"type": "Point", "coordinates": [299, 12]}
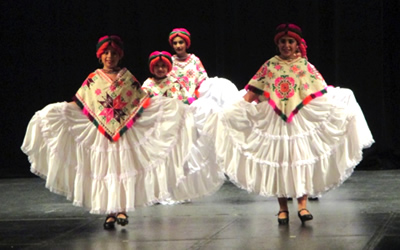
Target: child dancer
{"type": "Point", "coordinates": [211, 94]}
{"type": "Point", "coordinates": [302, 139]}
{"type": "Point", "coordinates": [203, 175]}
{"type": "Point", "coordinates": [114, 149]}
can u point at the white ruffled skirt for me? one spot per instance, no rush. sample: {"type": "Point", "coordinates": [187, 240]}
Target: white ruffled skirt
{"type": "Point", "coordinates": [146, 165]}
{"type": "Point", "coordinates": [215, 94]}
{"type": "Point", "coordinates": [314, 153]}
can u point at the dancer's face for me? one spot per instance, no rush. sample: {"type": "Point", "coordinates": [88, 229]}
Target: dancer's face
{"type": "Point", "coordinates": [110, 58]}
{"type": "Point", "coordinates": [160, 69]}
{"type": "Point", "coordinates": [179, 46]}
{"type": "Point", "coordinates": [287, 46]}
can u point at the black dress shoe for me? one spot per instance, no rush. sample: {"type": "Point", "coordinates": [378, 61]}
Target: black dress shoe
{"type": "Point", "coordinates": [283, 221]}
{"type": "Point", "coordinates": [305, 217]}
{"type": "Point", "coordinates": [122, 221]}
{"type": "Point", "coordinates": [109, 224]}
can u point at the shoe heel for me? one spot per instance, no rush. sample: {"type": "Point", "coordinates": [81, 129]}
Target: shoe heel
{"type": "Point", "coordinates": [283, 221]}
{"type": "Point", "coordinates": [305, 217]}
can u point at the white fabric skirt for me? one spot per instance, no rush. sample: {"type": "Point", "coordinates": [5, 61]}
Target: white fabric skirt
{"type": "Point", "coordinates": [215, 94]}
{"type": "Point", "coordinates": [314, 153]}
{"type": "Point", "coordinates": [147, 165]}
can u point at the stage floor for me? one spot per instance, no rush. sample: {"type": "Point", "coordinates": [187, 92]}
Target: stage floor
{"type": "Point", "coordinates": [364, 213]}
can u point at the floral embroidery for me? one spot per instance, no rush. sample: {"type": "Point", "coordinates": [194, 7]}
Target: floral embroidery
{"type": "Point", "coordinates": [112, 112]}
{"type": "Point", "coordinates": [270, 74]}
{"type": "Point", "coordinates": [287, 87]}
{"type": "Point", "coordinates": [301, 73]}
{"type": "Point", "coordinates": [260, 73]}
{"type": "Point", "coordinates": [294, 69]}
{"type": "Point", "coordinates": [284, 87]}
{"type": "Point", "coordinates": [187, 76]}
{"type": "Point", "coordinates": [119, 82]}
{"type": "Point", "coordinates": [184, 82]}
{"type": "Point", "coordinates": [113, 108]}
{"type": "Point", "coordinates": [314, 72]}
{"type": "Point", "coordinates": [310, 69]}
{"type": "Point", "coordinates": [190, 73]}
{"type": "Point", "coordinates": [89, 80]}
{"type": "Point", "coordinates": [136, 102]}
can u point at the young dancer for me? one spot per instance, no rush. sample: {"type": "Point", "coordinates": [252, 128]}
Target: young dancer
{"type": "Point", "coordinates": [302, 138]}
{"type": "Point", "coordinates": [205, 95]}
{"type": "Point", "coordinates": [203, 175]}
{"type": "Point", "coordinates": [114, 148]}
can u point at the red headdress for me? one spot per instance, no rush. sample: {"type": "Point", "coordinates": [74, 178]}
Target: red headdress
{"type": "Point", "coordinates": [113, 41]}
{"type": "Point", "coordinates": [163, 56]}
{"type": "Point", "coordinates": [182, 33]}
{"type": "Point", "coordinates": [293, 31]}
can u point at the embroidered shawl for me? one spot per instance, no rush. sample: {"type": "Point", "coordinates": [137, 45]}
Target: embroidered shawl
{"type": "Point", "coordinates": [189, 73]}
{"type": "Point", "coordinates": [112, 106]}
{"type": "Point", "coordinates": [167, 88]}
{"type": "Point", "coordinates": [287, 86]}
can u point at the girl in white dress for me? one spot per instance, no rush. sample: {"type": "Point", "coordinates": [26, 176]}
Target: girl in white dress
{"type": "Point", "coordinates": [114, 148]}
{"type": "Point", "coordinates": [205, 95]}
{"type": "Point", "coordinates": [203, 175]}
{"type": "Point", "coordinates": [302, 139]}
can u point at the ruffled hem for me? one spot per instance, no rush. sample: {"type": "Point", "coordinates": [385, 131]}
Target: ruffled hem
{"type": "Point", "coordinates": [318, 151]}
{"type": "Point", "coordinates": [143, 167]}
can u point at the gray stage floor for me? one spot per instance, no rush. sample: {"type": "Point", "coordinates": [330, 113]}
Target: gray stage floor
{"type": "Point", "coordinates": [364, 213]}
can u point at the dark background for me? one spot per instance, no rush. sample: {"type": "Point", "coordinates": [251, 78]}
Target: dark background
{"type": "Point", "coordinates": [48, 49]}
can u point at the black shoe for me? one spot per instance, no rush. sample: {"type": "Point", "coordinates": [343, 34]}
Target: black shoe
{"type": "Point", "coordinates": [305, 217]}
{"type": "Point", "coordinates": [283, 221]}
{"type": "Point", "coordinates": [122, 221]}
{"type": "Point", "coordinates": [312, 198]}
{"type": "Point", "coordinates": [109, 224]}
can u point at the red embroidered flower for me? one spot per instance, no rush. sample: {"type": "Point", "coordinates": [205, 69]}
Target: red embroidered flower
{"type": "Point", "coordinates": [278, 67]}
{"type": "Point", "coordinates": [270, 74]}
{"type": "Point", "coordinates": [98, 91]}
{"type": "Point", "coordinates": [284, 87]}
{"type": "Point", "coordinates": [183, 81]}
{"type": "Point", "coordinates": [295, 69]}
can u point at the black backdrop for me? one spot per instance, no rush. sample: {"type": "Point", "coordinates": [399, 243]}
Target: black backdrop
{"type": "Point", "coordinates": [48, 48]}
